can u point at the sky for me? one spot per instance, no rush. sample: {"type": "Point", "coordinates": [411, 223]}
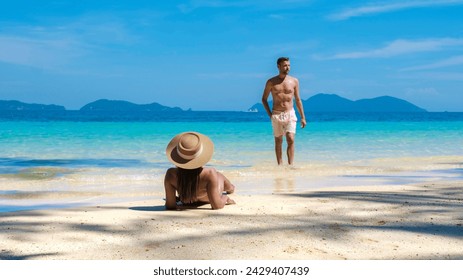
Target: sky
{"type": "Point", "coordinates": [217, 54]}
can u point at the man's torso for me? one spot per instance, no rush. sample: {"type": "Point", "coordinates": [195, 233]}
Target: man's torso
{"type": "Point", "coordinates": [282, 93]}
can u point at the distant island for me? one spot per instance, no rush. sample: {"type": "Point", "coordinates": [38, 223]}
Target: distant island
{"type": "Point", "coordinates": [326, 103]}
{"type": "Point", "coordinates": [13, 105]}
{"type": "Point", "coordinates": [125, 106]}
{"type": "Point", "coordinates": [102, 105]}
{"type": "Point", "coordinates": [332, 103]}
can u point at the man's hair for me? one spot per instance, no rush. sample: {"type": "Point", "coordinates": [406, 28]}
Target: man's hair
{"type": "Point", "coordinates": [281, 59]}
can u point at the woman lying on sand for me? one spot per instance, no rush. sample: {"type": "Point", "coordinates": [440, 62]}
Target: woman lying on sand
{"type": "Point", "coordinates": [195, 184]}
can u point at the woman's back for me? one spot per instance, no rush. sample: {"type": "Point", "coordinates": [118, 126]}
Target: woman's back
{"type": "Point", "coordinates": [210, 188]}
{"type": "Point", "coordinates": [189, 152]}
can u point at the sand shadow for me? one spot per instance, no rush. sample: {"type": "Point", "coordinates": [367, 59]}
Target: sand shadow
{"type": "Point", "coordinates": [426, 202]}
{"type": "Point", "coordinates": [8, 255]}
{"type": "Point", "coordinates": [149, 208]}
{"type": "Point", "coordinates": [157, 208]}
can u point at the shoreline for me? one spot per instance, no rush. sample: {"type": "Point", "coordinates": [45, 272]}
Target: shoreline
{"type": "Point", "coordinates": [90, 188]}
{"type": "Point", "coordinates": [283, 183]}
{"type": "Point", "coordinates": [373, 222]}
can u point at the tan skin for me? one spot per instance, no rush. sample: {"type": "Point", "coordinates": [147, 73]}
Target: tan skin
{"type": "Point", "coordinates": [284, 90]}
{"type": "Point", "coordinates": [211, 189]}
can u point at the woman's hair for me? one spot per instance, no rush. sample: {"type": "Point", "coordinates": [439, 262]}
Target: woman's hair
{"type": "Point", "coordinates": [187, 182]}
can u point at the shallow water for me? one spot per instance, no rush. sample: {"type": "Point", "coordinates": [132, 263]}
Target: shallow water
{"type": "Point", "coordinates": [58, 164]}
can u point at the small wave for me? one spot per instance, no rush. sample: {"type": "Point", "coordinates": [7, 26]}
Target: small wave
{"type": "Point", "coordinates": [89, 162]}
{"type": "Point", "coordinates": [36, 173]}
{"type": "Point", "coordinates": [20, 195]}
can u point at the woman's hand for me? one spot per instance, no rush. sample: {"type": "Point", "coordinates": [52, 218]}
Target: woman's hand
{"type": "Point", "coordinates": [230, 201]}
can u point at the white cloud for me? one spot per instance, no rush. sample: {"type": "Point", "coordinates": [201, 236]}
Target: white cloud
{"type": "Point", "coordinates": [41, 53]}
{"type": "Point", "coordinates": [401, 47]}
{"type": "Point", "coordinates": [452, 61]}
{"type": "Point", "coordinates": [53, 46]}
{"type": "Point", "coordinates": [422, 92]}
{"type": "Point", "coordinates": [389, 7]}
{"type": "Point", "coordinates": [434, 76]}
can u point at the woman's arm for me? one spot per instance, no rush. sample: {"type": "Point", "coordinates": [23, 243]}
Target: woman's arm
{"type": "Point", "coordinates": [171, 202]}
{"type": "Point", "coordinates": [216, 197]}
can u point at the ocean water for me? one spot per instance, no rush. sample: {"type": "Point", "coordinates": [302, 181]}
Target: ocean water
{"type": "Point", "coordinates": [68, 159]}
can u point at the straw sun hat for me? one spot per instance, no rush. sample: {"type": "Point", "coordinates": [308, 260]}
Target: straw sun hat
{"type": "Point", "coordinates": [190, 150]}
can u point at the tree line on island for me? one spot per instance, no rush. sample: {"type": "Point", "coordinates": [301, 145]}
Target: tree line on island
{"type": "Point", "coordinates": [318, 103]}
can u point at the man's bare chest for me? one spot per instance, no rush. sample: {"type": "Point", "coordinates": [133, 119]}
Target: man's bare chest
{"type": "Point", "coordinates": [286, 88]}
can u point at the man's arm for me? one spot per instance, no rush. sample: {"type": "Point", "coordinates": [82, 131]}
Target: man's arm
{"type": "Point", "coordinates": [267, 90]}
{"type": "Point", "coordinates": [299, 106]}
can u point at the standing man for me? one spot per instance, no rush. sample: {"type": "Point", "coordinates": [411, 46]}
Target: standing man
{"type": "Point", "coordinates": [284, 89]}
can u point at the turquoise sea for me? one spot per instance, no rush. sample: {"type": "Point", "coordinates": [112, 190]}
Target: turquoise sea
{"type": "Point", "coordinates": [66, 160]}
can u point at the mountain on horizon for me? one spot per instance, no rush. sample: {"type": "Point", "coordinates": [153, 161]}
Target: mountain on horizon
{"type": "Point", "coordinates": [98, 105]}
{"type": "Point", "coordinates": [14, 105]}
{"type": "Point", "coordinates": [318, 103]}
{"type": "Point", "coordinates": [334, 103]}
{"type": "Point", "coordinates": [121, 105]}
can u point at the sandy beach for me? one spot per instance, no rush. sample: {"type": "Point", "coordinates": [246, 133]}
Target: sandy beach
{"type": "Point", "coordinates": [378, 222]}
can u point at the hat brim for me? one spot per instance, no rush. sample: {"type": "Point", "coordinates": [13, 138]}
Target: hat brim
{"type": "Point", "coordinates": [199, 161]}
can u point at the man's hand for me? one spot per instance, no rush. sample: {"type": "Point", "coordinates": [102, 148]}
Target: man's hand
{"type": "Point", "coordinates": [303, 123]}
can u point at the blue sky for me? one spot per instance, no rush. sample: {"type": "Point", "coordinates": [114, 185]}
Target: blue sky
{"type": "Point", "coordinates": [217, 55]}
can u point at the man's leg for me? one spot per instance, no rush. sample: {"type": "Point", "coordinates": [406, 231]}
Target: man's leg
{"type": "Point", "coordinates": [278, 149]}
{"type": "Point", "coordinates": [290, 149]}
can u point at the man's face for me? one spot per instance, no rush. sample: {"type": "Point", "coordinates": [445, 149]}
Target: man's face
{"type": "Point", "coordinates": [284, 67]}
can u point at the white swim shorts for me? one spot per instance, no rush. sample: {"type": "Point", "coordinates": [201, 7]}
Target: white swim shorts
{"type": "Point", "coordinates": [284, 122]}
